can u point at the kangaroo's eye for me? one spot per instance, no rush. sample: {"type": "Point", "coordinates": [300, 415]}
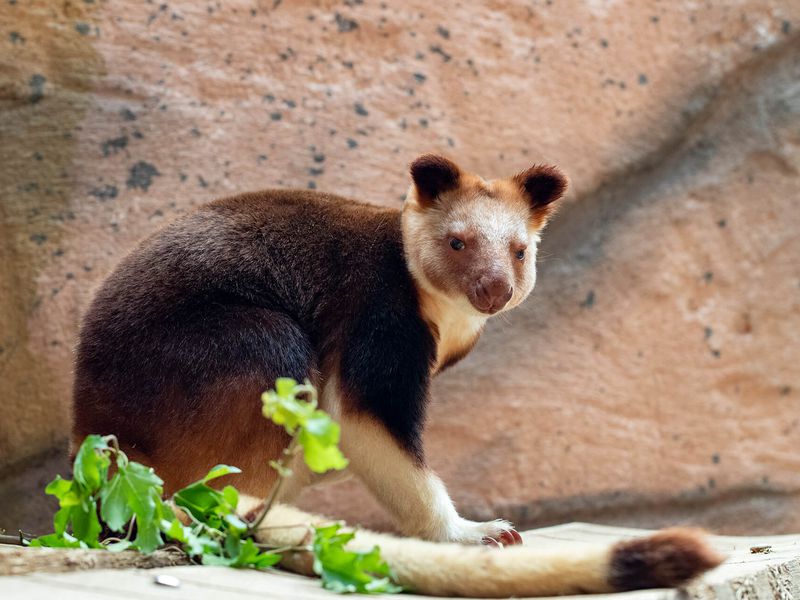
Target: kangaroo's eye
{"type": "Point", "coordinates": [456, 244]}
{"type": "Point", "coordinates": [520, 254]}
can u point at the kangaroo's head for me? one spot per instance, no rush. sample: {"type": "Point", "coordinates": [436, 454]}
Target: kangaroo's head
{"type": "Point", "coordinates": [472, 242]}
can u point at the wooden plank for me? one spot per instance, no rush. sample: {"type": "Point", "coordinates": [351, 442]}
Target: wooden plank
{"type": "Point", "coordinates": [745, 575]}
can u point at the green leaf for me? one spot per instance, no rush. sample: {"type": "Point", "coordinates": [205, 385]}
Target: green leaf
{"type": "Point", "coordinates": [55, 540]}
{"type": "Point", "coordinates": [118, 546]}
{"type": "Point", "coordinates": [231, 495]}
{"type": "Point", "coordinates": [85, 524]}
{"type": "Point", "coordinates": [321, 457]}
{"type": "Point", "coordinates": [316, 432]}
{"type": "Point", "coordinates": [148, 536]}
{"type": "Point", "coordinates": [195, 544]}
{"type": "Point", "coordinates": [217, 560]}
{"type": "Point", "coordinates": [235, 523]}
{"type": "Point", "coordinates": [58, 487]}
{"type": "Point", "coordinates": [134, 489]}
{"type": "Point", "coordinates": [252, 556]}
{"type": "Point", "coordinates": [61, 519]}
{"type": "Point", "coordinates": [283, 407]}
{"type": "Point", "coordinates": [201, 501]}
{"type": "Point", "coordinates": [114, 507]}
{"type": "Point", "coordinates": [284, 386]}
{"type": "Point", "coordinates": [220, 471]}
{"type": "Point", "coordinates": [347, 571]}
{"type": "Point", "coordinates": [90, 468]}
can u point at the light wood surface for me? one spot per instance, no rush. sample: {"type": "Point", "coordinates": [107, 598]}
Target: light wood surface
{"type": "Point", "coordinates": [746, 575]}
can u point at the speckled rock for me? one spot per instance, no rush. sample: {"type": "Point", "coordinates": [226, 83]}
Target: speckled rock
{"type": "Point", "coordinates": [652, 378]}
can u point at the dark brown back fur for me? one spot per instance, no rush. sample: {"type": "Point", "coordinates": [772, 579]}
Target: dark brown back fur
{"type": "Point", "coordinates": [183, 337]}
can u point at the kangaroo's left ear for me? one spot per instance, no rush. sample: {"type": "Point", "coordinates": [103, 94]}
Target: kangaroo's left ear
{"type": "Point", "coordinates": [541, 185]}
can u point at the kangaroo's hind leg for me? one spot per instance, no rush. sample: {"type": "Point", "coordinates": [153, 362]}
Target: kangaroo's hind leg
{"type": "Point", "coordinates": [212, 365]}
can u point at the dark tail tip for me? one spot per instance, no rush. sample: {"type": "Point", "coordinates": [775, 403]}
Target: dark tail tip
{"type": "Point", "coordinates": [668, 558]}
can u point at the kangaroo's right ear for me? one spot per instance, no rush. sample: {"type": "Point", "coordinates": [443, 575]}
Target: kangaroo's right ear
{"type": "Point", "coordinates": [432, 175]}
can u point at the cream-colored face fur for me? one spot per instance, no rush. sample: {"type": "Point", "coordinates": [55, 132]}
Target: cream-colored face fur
{"type": "Point", "coordinates": [494, 234]}
{"type": "Point", "coordinates": [471, 243]}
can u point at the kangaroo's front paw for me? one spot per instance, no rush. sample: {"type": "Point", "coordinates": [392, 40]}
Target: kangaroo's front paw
{"type": "Point", "coordinates": [492, 533]}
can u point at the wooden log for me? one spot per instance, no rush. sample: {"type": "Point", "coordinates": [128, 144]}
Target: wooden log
{"type": "Point", "coordinates": [16, 560]}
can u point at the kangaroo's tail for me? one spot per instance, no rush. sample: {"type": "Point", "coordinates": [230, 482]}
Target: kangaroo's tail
{"type": "Point", "coordinates": [668, 558]}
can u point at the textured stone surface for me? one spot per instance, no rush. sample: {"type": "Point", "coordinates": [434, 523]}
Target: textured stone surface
{"type": "Point", "coordinates": [651, 378]}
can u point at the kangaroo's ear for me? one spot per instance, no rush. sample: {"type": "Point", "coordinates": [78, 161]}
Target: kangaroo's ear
{"type": "Point", "coordinates": [432, 175]}
{"type": "Point", "coordinates": [541, 185]}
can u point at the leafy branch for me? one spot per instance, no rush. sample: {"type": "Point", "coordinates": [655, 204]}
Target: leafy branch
{"type": "Point", "coordinates": [128, 500]}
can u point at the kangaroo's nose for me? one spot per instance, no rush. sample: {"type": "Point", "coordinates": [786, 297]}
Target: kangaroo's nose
{"type": "Point", "coordinates": [492, 294]}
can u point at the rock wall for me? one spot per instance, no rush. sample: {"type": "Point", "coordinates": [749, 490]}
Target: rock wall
{"type": "Point", "coordinates": [651, 379]}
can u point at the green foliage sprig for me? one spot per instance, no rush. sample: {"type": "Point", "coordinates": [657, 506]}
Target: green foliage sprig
{"type": "Point", "coordinates": [129, 498]}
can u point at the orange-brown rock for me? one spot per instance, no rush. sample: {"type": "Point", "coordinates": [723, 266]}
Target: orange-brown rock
{"type": "Point", "coordinates": [651, 379]}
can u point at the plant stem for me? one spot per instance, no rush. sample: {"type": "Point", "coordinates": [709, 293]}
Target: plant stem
{"type": "Point", "coordinates": [289, 451]}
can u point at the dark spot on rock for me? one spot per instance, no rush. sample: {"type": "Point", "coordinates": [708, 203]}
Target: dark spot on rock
{"type": "Point", "coordinates": [127, 114]}
{"type": "Point", "coordinates": [438, 50]}
{"type": "Point", "coordinates": [82, 28]}
{"type": "Point", "coordinates": [589, 301]}
{"type": "Point", "coordinates": [603, 43]}
{"type": "Point", "coordinates": [715, 458]}
{"type": "Point", "coordinates": [195, 132]}
{"type": "Point", "coordinates": [420, 77]}
{"type": "Point", "coordinates": [141, 175]}
{"type": "Point", "coordinates": [36, 83]}
{"type": "Point", "coordinates": [69, 275]}
{"type": "Point", "coordinates": [786, 27]}
{"type": "Point", "coordinates": [319, 157]}
{"type": "Point", "coordinates": [203, 183]}
{"type": "Point", "coordinates": [423, 122]}
{"type": "Point", "coordinates": [347, 64]}
{"type": "Point", "coordinates": [344, 24]}
{"type": "Point", "coordinates": [314, 171]}
{"type": "Point", "coordinates": [38, 156]}
{"type": "Point", "coordinates": [261, 157]}
{"type": "Point", "coordinates": [721, 223]}
{"type": "Point", "coordinates": [113, 145]}
{"type": "Point", "coordinates": [707, 332]}
{"type": "Point", "coordinates": [654, 19]}
{"type": "Point", "coordinates": [15, 37]}
{"type": "Point", "coordinates": [268, 97]}
{"type": "Point", "coordinates": [642, 79]}
{"type": "Point", "coordinates": [708, 276]}
{"type": "Point", "coordinates": [58, 252]}
{"type": "Point", "coordinates": [276, 116]}
{"type": "Point", "coordinates": [712, 483]}
{"type": "Point", "coordinates": [360, 110]}
{"type": "Point", "coordinates": [715, 353]}
{"type": "Point", "coordinates": [442, 31]}
{"type": "Point", "coordinates": [290, 103]}
{"type": "Point", "coordinates": [137, 135]}
{"type": "Point", "coordinates": [38, 238]}
{"type": "Point", "coordinates": [351, 143]}
{"type": "Point", "coordinates": [106, 192]}
{"type": "Point", "coordinates": [312, 185]}
{"type": "Point", "coordinates": [182, 177]}
{"type": "Point", "coordinates": [786, 390]}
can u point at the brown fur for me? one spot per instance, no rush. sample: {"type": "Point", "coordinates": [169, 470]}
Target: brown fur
{"type": "Point", "coordinates": [669, 558]}
{"type": "Point", "coordinates": [367, 303]}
